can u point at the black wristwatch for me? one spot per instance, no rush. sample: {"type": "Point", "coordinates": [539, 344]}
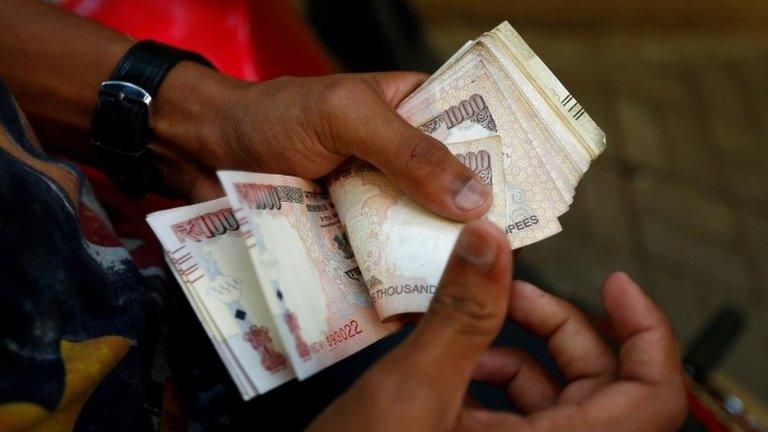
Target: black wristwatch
{"type": "Point", "coordinates": [120, 129]}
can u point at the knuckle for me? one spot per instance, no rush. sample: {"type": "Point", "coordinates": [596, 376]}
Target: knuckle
{"type": "Point", "coordinates": [340, 104]}
{"type": "Point", "coordinates": [338, 91]}
{"type": "Point", "coordinates": [570, 317]}
{"type": "Point", "coordinates": [569, 310]}
{"type": "Point", "coordinates": [421, 154]}
{"type": "Point", "coordinates": [426, 159]}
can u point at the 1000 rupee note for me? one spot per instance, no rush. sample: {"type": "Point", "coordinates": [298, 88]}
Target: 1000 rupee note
{"type": "Point", "coordinates": [306, 267]}
{"type": "Point", "coordinates": [560, 99]}
{"type": "Point", "coordinates": [472, 105]}
{"type": "Point", "coordinates": [403, 248]}
{"type": "Point", "coordinates": [247, 390]}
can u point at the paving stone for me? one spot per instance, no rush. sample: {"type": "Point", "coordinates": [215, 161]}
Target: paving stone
{"type": "Point", "coordinates": [728, 116]}
{"type": "Point", "coordinates": [690, 151]}
{"type": "Point", "coordinates": [577, 268]}
{"type": "Point", "coordinates": [669, 247]}
{"type": "Point", "coordinates": [756, 228]}
{"type": "Point", "coordinates": [642, 138]}
{"type": "Point", "coordinates": [602, 196]}
{"type": "Point", "coordinates": [750, 186]}
{"type": "Point", "coordinates": [751, 74]}
{"type": "Point", "coordinates": [602, 13]}
{"type": "Point", "coordinates": [681, 299]}
{"type": "Point", "coordinates": [700, 212]}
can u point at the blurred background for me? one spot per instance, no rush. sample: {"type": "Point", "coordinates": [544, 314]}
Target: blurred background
{"type": "Point", "coordinates": [679, 200]}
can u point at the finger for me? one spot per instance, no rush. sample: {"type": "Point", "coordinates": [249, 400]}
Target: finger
{"type": "Point", "coordinates": [526, 384]}
{"type": "Point", "coordinates": [423, 168]}
{"type": "Point", "coordinates": [649, 351]}
{"type": "Point", "coordinates": [626, 406]}
{"type": "Point", "coordinates": [650, 394]}
{"type": "Point", "coordinates": [418, 164]}
{"type": "Point", "coordinates": [465, 314]}
{"type": "Point", "coordinates": [583, 357]}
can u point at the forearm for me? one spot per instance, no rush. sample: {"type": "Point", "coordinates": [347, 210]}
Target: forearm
{"type": "Point", "coordinates": [187, 125]}
{"type": "Point", "coordinates": [53, 62]}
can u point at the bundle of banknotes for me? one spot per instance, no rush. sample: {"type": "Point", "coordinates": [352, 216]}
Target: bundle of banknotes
{"type": "Point", "coordinates": [289, 276]}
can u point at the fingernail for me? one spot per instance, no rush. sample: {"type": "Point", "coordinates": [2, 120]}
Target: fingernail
{"type": "Point", "coordinates": [476, 247]}
{"type": "Point", "coordinates": [473, 195]}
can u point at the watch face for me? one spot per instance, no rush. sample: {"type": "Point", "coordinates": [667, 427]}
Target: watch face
{"type": "Point", "coordinates": [121, 125]}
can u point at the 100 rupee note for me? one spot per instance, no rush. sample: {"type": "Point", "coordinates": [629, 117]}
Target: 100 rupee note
{"type": "Point", "coordinates": [204, 246]}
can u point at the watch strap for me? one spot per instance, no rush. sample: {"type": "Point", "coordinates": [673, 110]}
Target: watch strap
{"type": "Point", "coordinates": [120, 131]}
{"type": "Point", "coordinates": [147, 63]}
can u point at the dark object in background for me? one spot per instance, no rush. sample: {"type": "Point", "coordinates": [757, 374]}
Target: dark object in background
{"type": "Point", "coordinates": [713, 342]}
{"type": "Point", "coordinates": [375, 35]}
{"type": "Point", "coordinates": [711, 408]}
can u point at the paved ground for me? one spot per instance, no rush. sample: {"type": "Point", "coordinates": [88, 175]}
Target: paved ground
{"type": "Point", "coordinates": [680, 198]}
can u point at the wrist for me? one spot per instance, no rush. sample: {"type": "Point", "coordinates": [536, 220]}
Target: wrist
{"type": "Point", "coordinates": [184, 121]}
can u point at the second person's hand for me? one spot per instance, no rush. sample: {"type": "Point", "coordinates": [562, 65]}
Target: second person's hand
{"type": "Point", "coordinates": [422, 384]}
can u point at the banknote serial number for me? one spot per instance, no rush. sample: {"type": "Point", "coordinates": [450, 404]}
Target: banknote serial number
{"type": "Point", "coordinates": [342, 334]}
{"type": "Point", "coordinates": [522, 224]}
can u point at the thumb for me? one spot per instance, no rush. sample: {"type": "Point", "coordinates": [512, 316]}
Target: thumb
{"type": "Point", "coordinates": [421, 166]}
{"type": "Point", "coordinates": [467, 311]}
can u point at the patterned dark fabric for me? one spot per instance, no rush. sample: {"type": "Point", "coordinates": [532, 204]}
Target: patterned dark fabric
{"type": "Point", "coordinates": [75, 309]}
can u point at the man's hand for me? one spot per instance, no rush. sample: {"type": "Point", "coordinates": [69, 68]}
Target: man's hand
{"type": "Point", "coordinates": [307, 127]}
{"type": "Point", "coordinates": [422, 384]}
